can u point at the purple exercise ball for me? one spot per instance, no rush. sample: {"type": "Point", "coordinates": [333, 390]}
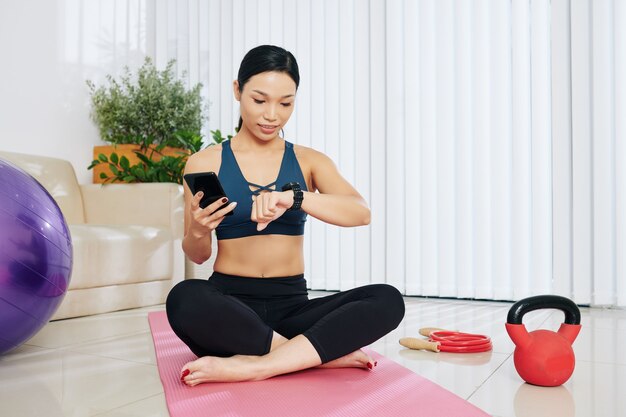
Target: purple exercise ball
{"type": "Point", "coordinates": [35, 256]}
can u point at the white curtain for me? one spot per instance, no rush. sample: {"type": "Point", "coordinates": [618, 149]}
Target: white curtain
{"type": "Point", "coordinates": [488, 136]}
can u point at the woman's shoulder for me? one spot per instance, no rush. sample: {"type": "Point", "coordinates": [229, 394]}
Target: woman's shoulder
{"type": "Point", "coordinates": [310, 156]}
{"type": "Point", "coordinates": [208, 159]}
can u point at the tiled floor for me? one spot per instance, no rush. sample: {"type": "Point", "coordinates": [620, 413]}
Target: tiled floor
{"type": "Point", "coordinates": [105, 365]}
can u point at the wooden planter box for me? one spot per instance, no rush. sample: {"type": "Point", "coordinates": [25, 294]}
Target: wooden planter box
{"type": "Point", "coordinates": [129, 152]}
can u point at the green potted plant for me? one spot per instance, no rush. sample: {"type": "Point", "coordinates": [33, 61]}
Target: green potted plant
{"type": "Point", "coordinates": [152, 123]}
{"type": "Point", "coordinates": [152, 166]}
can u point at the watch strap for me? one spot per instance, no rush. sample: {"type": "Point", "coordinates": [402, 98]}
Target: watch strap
{"type": "Point", "coordinates": [298, 195]}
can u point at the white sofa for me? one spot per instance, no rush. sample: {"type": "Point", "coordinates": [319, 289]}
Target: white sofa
{"type": "Point", "coordinates": [126, 237]}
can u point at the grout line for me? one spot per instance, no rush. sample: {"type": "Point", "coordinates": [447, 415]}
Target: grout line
{"type": "Point", "coordinates": [94, 340]}
{"type": "Point", "coordinates": [548, 316]}
{"type": "Point", "coordinates": [99, 317]}
{"type": "Point", "coordinates": [489, 376]}
{"type": "Point", "coordinates": [126, 405]}
{"type": "Point", "coordinates": [134, 362]}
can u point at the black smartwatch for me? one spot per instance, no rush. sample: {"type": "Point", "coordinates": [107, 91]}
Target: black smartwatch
{"type": "Point", "coordinates": [298, 195]}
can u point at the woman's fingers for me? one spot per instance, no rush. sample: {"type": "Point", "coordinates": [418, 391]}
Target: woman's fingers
{"type": "Point", "coordinates": [253, 211]}
{"type": "Point", "coordinates": [266, 206]}
{"type": "Point", "coordinates": [213, 219]}
{"type": "Point", "coordinates": [259, 207]}
{"type": "Point", "coordinates": [269, 206]}
{"type": "Point", "coordinates": [195, 200]}
{"type": "Point", "coordinates": [222, 212]}
{"type": "Point", "coordinates": [210, 216]}
{"type": "Point", "coordinates": [265, 209]}
{"type": "Point", "coordinates": [257, 212]}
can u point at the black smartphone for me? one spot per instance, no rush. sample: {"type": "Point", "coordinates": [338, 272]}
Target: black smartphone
{"type": "Point", "coordinates": [209, 184]}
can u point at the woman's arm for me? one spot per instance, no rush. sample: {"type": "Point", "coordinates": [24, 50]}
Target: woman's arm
{"type": "Point", "coordinates": [340, 210]}
{"type": "Point", "coordinates": [336, 202]}
{"type": "Point", "coordinates": [197, 240]}
{"type": "Point", "coordinates": [200, 223]}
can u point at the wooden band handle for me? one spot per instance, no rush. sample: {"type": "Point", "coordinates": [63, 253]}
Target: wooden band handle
{"type": "Point", "coordinates": [426, 331]}
{"type": "Point", "coordinates": [419, 344]}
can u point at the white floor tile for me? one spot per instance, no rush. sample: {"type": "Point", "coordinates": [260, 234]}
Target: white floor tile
{"type": "Point", "coordinates": [154, 407]}
{"type": "Point", "coordinates": [133, 348]}
{"type": "Point", "coordinates": [69, 383]}
{"type": "Point", "coordinates": [86, 329]}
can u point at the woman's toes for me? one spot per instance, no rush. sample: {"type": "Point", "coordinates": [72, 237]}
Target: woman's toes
{"type": "Point", "coordinates": [184, 374]}
{"type": "Point", "coordinates": [369, 361]}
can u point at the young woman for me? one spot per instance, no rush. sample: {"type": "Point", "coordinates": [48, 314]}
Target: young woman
{"type": "Point", "coordinates": [252, 319]}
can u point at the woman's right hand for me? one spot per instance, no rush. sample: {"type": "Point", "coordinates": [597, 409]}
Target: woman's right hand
{"type": "Point", "coordinates": [205, 220]}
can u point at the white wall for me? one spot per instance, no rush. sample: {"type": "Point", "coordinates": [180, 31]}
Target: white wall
{"type": "Point", "coordinates": [488, 136]}
{"type": "Point", "coordinates": [42, 92]}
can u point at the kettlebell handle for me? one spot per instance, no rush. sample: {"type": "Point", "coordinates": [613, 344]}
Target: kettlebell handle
{"type": "Point", "coordinates": [567, 306]}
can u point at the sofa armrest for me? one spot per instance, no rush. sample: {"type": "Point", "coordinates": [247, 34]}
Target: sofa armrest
{"type": "Point", "coordinates": [150, 204]}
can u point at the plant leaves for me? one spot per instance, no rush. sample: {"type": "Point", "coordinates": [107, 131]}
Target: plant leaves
{"type": "Point", "coordinates": [144, 159]}
{"type": "Point", "coordinates": [163, 177]}
{"type": "Point", "coordinates": [147, 107]}
{"type": "Point", "coordinates": [124, 163]}
{"type": "Point", "coordinates": [138, 172]}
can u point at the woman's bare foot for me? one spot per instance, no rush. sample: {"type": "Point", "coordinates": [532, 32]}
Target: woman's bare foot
{"type": "Point", "coordinates": [214, 369]}
{"type": "Point", "coordinates": [297, 354]}
{"type": "Point", "coordinates": [356, 359]}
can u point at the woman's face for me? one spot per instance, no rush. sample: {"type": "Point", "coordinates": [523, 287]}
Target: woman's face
{"type": "Point", "coordinates": [266, 103]}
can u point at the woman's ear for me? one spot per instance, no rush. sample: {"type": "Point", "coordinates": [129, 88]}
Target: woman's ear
{"type": "Point", "coordinates": [236, 90]}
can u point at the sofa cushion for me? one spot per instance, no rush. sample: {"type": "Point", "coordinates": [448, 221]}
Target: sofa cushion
{"type": "Point", "coordinates": [87, 301]}
{"type": "Point", "coordinates": [58, 177]}
{"type": "Point", "coordinates": [120, 254]}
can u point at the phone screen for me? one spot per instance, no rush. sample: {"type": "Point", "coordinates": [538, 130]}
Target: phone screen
{"type": "Point", "coordinates": [209, 184]}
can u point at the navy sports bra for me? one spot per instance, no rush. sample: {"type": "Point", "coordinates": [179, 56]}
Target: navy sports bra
{"type": "Point", "coordinates": [237, 188]}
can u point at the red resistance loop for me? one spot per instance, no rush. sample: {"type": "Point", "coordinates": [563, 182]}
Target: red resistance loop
{"type": "Point", "coordinates": [461, 342]}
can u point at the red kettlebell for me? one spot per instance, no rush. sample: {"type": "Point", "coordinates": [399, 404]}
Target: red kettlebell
{"type": "Point", "coordinates": [544, 357]}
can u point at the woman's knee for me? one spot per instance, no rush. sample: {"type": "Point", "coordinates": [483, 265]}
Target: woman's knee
{"type": "Point", "coordinates": [182, 291]}
{"type": "Point", "coordinates": [390, 302]}
{"type": "Point", "coordinates": [188, 299]}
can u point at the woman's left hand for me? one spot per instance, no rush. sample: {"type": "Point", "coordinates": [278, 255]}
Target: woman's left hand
{"type": "Point", "coordinates": [268, 206]}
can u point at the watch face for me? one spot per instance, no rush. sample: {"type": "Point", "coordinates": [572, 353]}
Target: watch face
{"type": "Point", "coordinates": [291, 186]}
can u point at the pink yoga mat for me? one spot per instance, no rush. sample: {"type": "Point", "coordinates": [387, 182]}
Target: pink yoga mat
{"type": "Point", "coordinates": [390, 390]}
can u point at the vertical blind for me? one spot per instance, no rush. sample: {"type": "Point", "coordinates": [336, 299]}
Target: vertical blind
{"type": "Point", "coordinates": [488, 136]}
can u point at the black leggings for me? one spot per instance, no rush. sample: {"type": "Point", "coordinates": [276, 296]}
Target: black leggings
{"type": "Point", "coordinates": [229, 315]}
